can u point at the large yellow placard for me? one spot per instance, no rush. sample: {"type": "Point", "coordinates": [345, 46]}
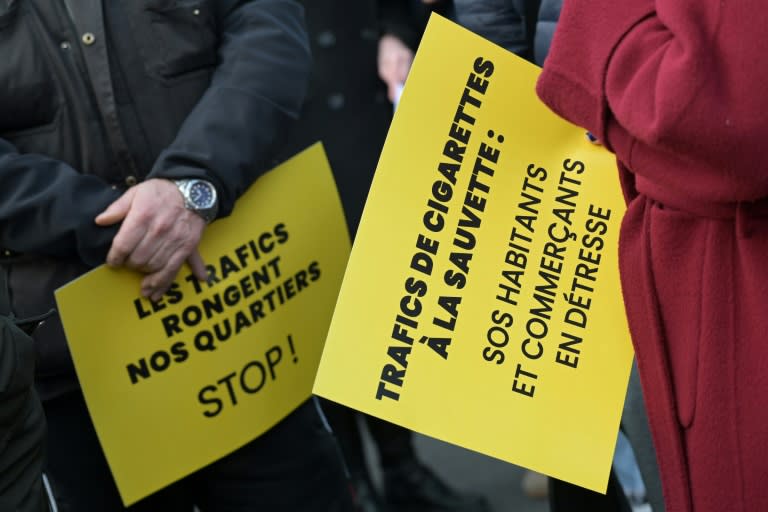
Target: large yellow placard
{"type": "Point", "coordinates": [177, 384]}
{"type": "Point", "coordinates": [481, 304]}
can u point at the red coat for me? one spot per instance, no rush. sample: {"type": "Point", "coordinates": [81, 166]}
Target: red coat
{"type": "Point", "coordinates": [677, 89]}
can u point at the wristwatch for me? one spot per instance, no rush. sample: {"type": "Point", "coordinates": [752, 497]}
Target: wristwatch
{"type": "Point", "coordinates": [199, 197]}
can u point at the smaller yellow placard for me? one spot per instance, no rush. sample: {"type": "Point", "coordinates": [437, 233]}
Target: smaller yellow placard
{"type": "Point", "coordinates": [174, 385]}
{"type": "Point", "coordinates": [481, 304]}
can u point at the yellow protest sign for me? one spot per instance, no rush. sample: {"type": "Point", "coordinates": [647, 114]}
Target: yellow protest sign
{"type": "Point", "coordinates": [175, 385]}
{"type": "Point", "coordinates": [481, 304]}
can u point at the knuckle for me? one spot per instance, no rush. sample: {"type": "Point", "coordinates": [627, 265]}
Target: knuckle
{"type": "Point", "coordinates": [142, 216]}
{"type": "Point", "coordinates": [160, 227]}
{"type": "Point", "coordinates": [119, 249]}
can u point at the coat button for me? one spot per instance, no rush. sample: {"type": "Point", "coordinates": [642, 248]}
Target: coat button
{"type": "Point", "coordinates": [89, 38]}
{"type": "Point", "coordinates": [336, 101]}
{"type": "Point", "coordinates": [131, 180]}
{"type": "Point", "coordinates": [326, 39]}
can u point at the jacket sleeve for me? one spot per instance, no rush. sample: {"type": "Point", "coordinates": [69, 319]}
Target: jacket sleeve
{"type": "Point", "coordinates": [46, 207]}
{"type": "Point", "coordinates": [507, 23]}
{"type": "Point", "coordinates": [232, 134]}
{"type": "Point", "coordinates": [677, 77]}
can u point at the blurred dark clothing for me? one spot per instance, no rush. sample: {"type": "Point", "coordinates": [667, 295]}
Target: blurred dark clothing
{"type": "Point", "coordinates": [546, 22]}
{"type": "Point", "coordinates": [508, 23]}
{"type": "Point", "coordinates": [22, 424]}
{"type": "Point", "coordinates": [524, 27]}
{"type": "Point", "coordinates": [634, 423]}
{"type": "Point", "coordinates": [294, 467]}
{"type": "Point", "coordinates": [346, 105]}
{"type": "Point", "coordinates": [407, 19]}
{"type": "Point", "coordinates": [97, 96]}
{"type": "Point", "coordinates": [567, 497]}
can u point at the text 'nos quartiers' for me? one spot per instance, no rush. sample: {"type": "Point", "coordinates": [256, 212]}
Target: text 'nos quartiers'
{"type": "Point", "coordinates": [262, 288]}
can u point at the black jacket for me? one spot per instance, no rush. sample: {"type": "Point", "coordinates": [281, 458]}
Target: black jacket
{"type": "Point", "coordinates": [407, 19]}
{"type": "Point", "coordinates": [96, 96]}
{"type": "Point", "coordinates": [347, 106]}
{"type": "Point", "coordinates": [546, 22]}
{"type": "Point", "coordinates": [508, 23]}
{"type": "Point", "coordinates": [22, 424]}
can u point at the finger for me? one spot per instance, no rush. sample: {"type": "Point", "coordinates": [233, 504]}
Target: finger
{"type": "Point", "coordinates": [391, 88]}
{"type": "Point", "coordinates": [128, 237]}
{"type": "Point", "coordinates": [152, 251]}
{"type": "Point", "coordinates": [160, 258]}
{"type": "Point", "coordinates": [403, 68]}
{"type": "Point", "coordinates": [197, 265]}
{"type": "Point", "coordinates": [401, 71]}
{"type": "Point", "coordinates": [150, 256]}
{"type": "Point", "coordinates": [154, 285]}
{"type": "Point", "coordinates": [391, 91]}
{"type": "Point", "coordinates": [387, 73]}
{"type": "Point", "coordinates": [116, 211]}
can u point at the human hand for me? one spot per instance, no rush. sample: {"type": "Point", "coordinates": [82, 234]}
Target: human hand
{"type": "Point", "coordinates": [395, 59]}
{"type": "Point", "coordinates": [157, 236]}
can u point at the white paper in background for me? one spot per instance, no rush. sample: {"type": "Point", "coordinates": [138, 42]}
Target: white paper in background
{"type": "Point", "coordinates": [398, 94]}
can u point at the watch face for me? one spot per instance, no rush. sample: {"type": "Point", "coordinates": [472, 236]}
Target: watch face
{"type": "Point", "coordinates": [201, 195]}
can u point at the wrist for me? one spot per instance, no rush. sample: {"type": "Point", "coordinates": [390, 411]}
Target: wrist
{"type": "Point", "coordinates": [199, 197]}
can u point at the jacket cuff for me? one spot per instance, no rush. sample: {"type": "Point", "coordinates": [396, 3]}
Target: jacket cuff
{"type": "Point", "coordinates": [572, 82]}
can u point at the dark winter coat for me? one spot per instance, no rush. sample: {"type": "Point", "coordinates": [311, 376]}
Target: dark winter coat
{"type": "Point", "coordinates": [97, 96]}
{"type": "Point", "coordinates": [546, 22]}
{"type": "Point", "coordinates": [22, 424]}
{"type": "Point", "coordinates": [508, 23]}
{"type": "Point", "coordinates": [347, 106]}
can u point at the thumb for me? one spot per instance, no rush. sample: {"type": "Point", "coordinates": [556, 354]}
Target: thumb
{"type": "Point", "coordinates": [116, 211]}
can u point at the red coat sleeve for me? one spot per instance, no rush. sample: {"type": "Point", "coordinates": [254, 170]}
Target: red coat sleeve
{"type": "Point", "coordinates": [668, 83]}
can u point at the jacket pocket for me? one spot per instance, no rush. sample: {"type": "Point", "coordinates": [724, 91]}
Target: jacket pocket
{"type": "Point", "coordinates": [28, 98]}
{"type": "Point", "coordinates": [180, 37]}
{"type": "Point", "coordinates": [679, 241]}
